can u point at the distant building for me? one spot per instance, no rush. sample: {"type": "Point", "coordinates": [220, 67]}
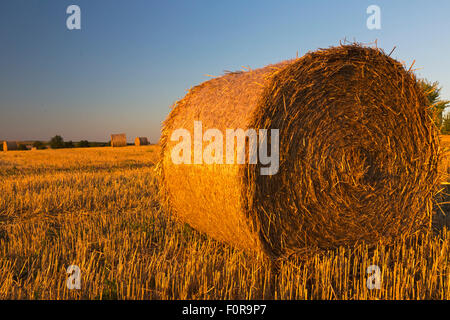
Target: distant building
{"type": "Point", "coordinates": [118, 140]}
{"type": "Point", "coordinates": [141, 141]}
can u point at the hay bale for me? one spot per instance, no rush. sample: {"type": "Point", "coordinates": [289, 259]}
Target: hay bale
{"type": "Point", "coordinates": [10, 145]}
{"type": "Point", "coordinates": [141, 141]}
{"type": "Point", "coordinates": [118, 140]}
{"type": "Point", "coordinates": [358, 154]}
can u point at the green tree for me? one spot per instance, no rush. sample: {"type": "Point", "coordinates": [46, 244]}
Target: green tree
{"type": "Point", "coordinates": [57, 142]}
{"type": "Point", "coordinates": [39, 145]}
{"type": "Point", "coordinates": [69, 144]}
{"type": "Point", "coordinates": [22, 147]}
{"type": "Point", "coordinates": [432, 91]}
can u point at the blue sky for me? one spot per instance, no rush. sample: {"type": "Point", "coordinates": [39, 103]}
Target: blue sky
{"type": "Point", "coordinates": [132, 60]}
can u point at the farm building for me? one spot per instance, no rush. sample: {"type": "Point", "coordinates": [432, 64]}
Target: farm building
{"type": "Point", "coordinates": [10, 145]}
{"type": "Point", "coordinates": [118, 140]}
{"type": "Point", "coordinates": [141, 141]}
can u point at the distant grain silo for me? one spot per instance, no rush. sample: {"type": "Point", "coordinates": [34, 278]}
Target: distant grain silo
{"type": "Point", "coordinates": [10, 145]}
{"type": "Point", "coordinates": [118, 140]}
{"type": "Point", "coordinates": [141, 141]}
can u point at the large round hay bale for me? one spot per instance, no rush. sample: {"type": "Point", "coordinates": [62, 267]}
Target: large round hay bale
{"type": "Point", "coordinates": [118, 140]}
{"type": "Point", "coordinates": [358, 154]}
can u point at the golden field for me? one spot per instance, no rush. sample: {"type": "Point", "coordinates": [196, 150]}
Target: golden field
{"type": "Point", "coordinates": [97, 208]}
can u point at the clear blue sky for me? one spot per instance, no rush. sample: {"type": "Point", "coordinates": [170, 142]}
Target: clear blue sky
{"type": "Point", "coordinates": [133, 59]}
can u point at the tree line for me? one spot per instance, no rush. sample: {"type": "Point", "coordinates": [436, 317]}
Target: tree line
{"type": "Point", "coordinates": [57, 142]}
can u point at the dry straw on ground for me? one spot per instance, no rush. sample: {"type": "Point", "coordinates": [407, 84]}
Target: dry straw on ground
{"type": "Point", "coordinates": [97, 208]}
{"type": "Point", "coordinates": [358, 154]}
{"type": "Point", "coordinates": [141, 141]}
{"type": "Point", "coordinates": [118, 140]}
{"type": "Point", "coordinates": [10, 145]}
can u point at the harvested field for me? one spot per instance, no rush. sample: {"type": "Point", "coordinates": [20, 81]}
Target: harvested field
{"type": "Point", "coordinates": [98, 208]}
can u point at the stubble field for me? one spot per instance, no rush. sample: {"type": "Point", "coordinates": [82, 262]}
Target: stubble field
{"type": "Point", "coordinates": [97, 208]}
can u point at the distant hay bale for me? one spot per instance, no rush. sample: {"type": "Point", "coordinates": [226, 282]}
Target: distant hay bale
{"type": "Point", "coordinates": [141, 141]}
{"type": "Point", "coordinates": [10, 145]}
{"type": "Point", "coordinates": [358, 154]}
{"type": "Point", "coordinates": [118, 140]}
